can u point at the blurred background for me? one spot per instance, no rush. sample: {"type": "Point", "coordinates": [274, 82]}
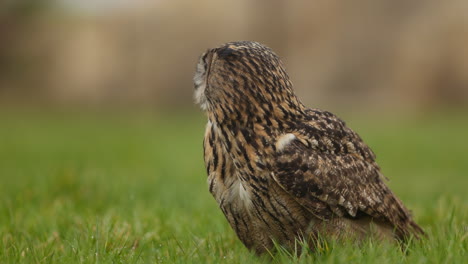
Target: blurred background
{"type": "Point", "coordinates": [367, 54]}
{"type": "Point", "coordinates": [100, 141]}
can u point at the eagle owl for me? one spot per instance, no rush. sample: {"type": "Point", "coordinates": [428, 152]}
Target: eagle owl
{"type": "Point", "coordinates": [281, 171]}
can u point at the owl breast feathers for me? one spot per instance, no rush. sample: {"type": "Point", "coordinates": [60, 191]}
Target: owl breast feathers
{"type": "Point", "coordinates": [281, 171]}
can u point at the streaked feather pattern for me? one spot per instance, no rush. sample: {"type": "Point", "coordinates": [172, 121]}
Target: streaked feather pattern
{"type": "Point", "coordinates": [279, 170]}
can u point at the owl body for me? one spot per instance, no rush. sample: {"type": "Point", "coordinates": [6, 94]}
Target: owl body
{"type": "Point", "coordinates": [247, 195]}
{"type": "Point", "coordinates": [279, 170]}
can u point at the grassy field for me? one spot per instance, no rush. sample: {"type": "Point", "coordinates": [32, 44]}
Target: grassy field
{"type": "Point", "coordinates": [131, 188]}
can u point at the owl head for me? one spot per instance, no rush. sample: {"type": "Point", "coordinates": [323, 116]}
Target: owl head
{"type": "Point", "coordinates": [241, 78]}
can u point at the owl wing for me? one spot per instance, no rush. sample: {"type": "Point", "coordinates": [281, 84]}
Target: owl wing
{"type": "Point", "coordinates": [327, 161]}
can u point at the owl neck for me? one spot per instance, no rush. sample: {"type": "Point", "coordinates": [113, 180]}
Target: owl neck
{"type": "Point", "coordinates": [273, 113]}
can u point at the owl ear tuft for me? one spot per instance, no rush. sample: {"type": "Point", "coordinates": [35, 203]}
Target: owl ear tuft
{"type": "Point", "coordinates": [225, 52]}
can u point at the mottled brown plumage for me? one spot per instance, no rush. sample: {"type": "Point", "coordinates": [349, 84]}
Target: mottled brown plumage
{"type": "Point", "coordinates": [280, 171]}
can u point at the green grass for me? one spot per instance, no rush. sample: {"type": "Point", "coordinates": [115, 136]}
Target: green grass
{"type": "Point", "coordinates": [131, 188]}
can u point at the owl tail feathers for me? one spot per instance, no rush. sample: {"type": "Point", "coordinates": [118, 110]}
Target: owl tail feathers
{"type": "Point", "coordinates": [404, 226]}
{"type": "Point", "coordinates": [410, 230]}
{"type": "Point", "coordinates": [417, 231]}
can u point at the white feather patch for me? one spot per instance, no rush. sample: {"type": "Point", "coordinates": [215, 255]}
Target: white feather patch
{"type": "Point", "coordinates": [240, 194]}
{"type": "Point", "coordinates": [200, 84]}
{"type": "Point", "coordinates": [243, 194]}
{"type": "Point", "coordinates": [284, 140]}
